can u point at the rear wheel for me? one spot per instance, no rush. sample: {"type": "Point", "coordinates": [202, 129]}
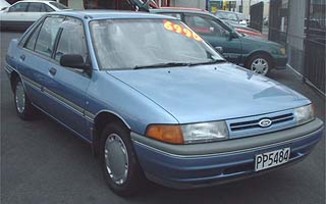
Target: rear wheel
{"type": "Point", "coordinates": [119, 163]}
{"type": "Point", "coordinates": [24, 108]}
{"type": "Point", "coordinates": [260, 64]}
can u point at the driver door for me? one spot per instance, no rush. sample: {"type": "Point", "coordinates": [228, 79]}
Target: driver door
{"type": "Point", "coordinates": [217, 34]}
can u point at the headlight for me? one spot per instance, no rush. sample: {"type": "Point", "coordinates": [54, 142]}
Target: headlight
{"type": "Point", "coordinates": [205, 132]}
{"type": "Point", "coordinates": [283, 51]}
{"type": "Point", "coordinates": [192, 133]}
{"type": "Point", "coordinates": [304, 114]}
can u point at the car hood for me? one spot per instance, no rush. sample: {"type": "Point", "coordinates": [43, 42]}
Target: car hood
{"type": "Point", "coordinates": [207, 93]}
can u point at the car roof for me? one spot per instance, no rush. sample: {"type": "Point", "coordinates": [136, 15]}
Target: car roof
{"type": "Point", "coordinates": [109, 14]}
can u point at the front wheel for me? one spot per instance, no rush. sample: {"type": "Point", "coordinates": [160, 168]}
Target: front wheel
{"type": "Point", "coordinates": [260, 64]}
{"type": "Point", "coordinates": [24, 108]}
{"type": "Point", "coordinates": [118, 160]}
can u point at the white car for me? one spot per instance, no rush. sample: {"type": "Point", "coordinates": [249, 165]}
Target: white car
{"type": "Point", "coordinates": [22, 14]}
{"type": "Point", "coordinates": [3, 4]}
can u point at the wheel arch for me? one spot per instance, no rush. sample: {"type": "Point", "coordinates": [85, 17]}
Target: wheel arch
{"type": "Point", "coordinates": [259, 52]}
{"type": "Point", "coordinates": [100, 121]}
{"type": "Point", "coordinates": [13, 77]}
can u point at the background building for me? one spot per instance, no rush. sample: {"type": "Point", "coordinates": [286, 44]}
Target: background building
{"type": "Point", "coordinates": [301, 27]}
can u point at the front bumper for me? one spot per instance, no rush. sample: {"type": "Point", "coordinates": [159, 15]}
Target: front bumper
{"type": "Point", "coordinates": [198, 165]}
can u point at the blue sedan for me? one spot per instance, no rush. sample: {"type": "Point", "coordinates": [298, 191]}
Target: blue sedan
{"type": "Point", "coordinates": [155, 101]}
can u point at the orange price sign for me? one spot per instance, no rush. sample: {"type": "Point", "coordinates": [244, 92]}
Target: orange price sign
{"type": "Point", "coordinates": [180, 29]}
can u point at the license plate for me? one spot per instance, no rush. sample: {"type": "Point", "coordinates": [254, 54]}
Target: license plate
{"type": "Point", "coordinates": [271, 159]}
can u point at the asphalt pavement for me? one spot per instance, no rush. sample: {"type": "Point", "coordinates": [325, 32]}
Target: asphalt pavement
{"type": "Point", "coordinates": [41, 162]}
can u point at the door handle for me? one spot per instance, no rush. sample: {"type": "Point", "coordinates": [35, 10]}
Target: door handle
{"type": "Point", "coordinates": [22, 57]}
{"type": "Point", "coordinates": [52, 71]}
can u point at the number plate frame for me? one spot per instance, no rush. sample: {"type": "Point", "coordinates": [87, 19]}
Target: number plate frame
{"type": "Point", "coordinates": [271, 159]}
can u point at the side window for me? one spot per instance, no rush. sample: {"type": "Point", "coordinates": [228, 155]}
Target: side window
{"type": "Point", "coordinates": [205, 26]}
{"type": "Point", "coordinates": [72, 39]}
{"type": "Point", "coordinates": [19, 7]}
{"type": "Point", "coordinates": [47, 8]}
{"type": "Point", "coordinates": [47, 36]}
{"type": "Point", "coordinates": [34, 7]}
{"type": "Point", "coordinates": [30, 44]}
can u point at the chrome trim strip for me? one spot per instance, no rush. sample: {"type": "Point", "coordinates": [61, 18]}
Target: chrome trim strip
{"type": "Point", "coordinates": [63, 124]}
{"type": "Point", "coordinates": [224, 153]}
{"type": "Point", "coordinates": [63, 101]}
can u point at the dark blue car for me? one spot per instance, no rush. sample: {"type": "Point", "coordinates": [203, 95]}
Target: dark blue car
{"type": "Point", "coordinates": [155, 101]}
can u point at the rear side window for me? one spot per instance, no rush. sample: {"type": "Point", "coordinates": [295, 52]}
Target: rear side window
{"type": "Point", "coordinates": [35, 7]}
{"type": "Point", "coordinates": [47, 8]}
{"type": "Point", "coordinates": [46, 39]}
{"type": "Point", "coordinates": [19, 7]}
{"type": "Point", "coordinates": [205, 26]}
{"type": "Point", "coordinates": [30, 44]}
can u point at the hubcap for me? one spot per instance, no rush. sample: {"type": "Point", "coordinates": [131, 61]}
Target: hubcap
{"type": "Point", "coordinates": [20, 97]}
{"type": "Point", "coordinates": [260, 66]}
{"type": "Point", "coordinates": [116, 158]}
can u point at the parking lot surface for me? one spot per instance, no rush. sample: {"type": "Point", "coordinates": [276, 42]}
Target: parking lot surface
{"type": "Point", "coordinates": [41, 162]}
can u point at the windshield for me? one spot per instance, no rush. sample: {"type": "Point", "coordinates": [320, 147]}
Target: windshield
{"type": "Point", "coordinates": [58, 5]}
{"type": "Point", "coordinates": [134, 43]}
{"type": "Point", "coordinates": [227, 16]}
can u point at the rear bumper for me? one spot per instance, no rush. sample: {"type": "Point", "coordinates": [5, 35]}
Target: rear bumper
{"type": "Point", "coordinates": [198, 165]}
{"type": "Point", "coordinates": [280, 62]}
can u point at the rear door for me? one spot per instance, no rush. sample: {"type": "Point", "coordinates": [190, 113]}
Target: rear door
{"type": "Point", "coordinates": [215, 33]}
{"type": "Point", "coordinates": [35, 60]}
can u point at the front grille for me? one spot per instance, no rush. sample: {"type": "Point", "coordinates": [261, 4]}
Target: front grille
{"type": "Point", "coordinates": [254, 123]}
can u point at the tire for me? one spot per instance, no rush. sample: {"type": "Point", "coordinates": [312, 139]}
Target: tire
{"type": "Point", "coordinates": [260, 64]}
{"type": "Point", "coordinates": [24, 109]}
{"type": "Point", "coordinates": [121, 169]}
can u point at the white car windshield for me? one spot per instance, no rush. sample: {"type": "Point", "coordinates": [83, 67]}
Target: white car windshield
{"type": "Point", "coordinates": [136, 43]}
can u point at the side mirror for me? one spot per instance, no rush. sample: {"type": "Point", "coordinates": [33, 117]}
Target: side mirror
{"type": "Point", "coordinates": [232, 35]}
{"type": "Point", "coordinates": [77, 62]}
{"type": "Point", "coordinates": [219, 49]}
{"type": "Point", "coordinates": [73, 61]}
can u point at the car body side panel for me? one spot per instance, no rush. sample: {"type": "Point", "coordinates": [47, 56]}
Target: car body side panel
{"type": "Point", "coordinates": [108, 94]}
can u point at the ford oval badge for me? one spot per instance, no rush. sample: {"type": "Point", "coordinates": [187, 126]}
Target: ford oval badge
{"type": "Point", "coordinates": [264, 123]}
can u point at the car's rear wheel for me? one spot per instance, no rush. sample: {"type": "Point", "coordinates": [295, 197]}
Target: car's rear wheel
{"type": "Point", "coordinates": [121, 169]}
{"type": "Point", "coordinates": [25, 110]}
{"type": "Point", "coordinates": [260, 64]}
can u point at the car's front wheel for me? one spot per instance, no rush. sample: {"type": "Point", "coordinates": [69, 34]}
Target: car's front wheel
{"type": "Point", "coordinates": [260, 64]}
{"type": "Point", "coordinates": [24, 108]}
{"type": "Point", "coordinates": [121, 169]}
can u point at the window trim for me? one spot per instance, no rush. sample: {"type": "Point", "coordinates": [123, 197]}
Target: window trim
{"type": "Point", "coordinates": [56, 44]}
{"type": "Point", "coordinates": [213, 18]}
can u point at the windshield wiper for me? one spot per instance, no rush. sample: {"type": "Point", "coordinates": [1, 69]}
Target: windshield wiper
{"type": "Point", "coordinates": [166, 64]}
{"type": "Point", "coordinates": [216, 61]}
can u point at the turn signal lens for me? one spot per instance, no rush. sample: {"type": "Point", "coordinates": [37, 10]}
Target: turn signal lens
{"type": "Point", "coordinates": [166, 133]}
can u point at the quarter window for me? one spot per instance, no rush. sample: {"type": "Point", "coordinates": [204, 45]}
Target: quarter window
{"type": "Point", "coordinates": [205, 26]}
{"type": "Point", "coordinates": [47, 36]}
{"type": "Point", "coordinates": [19, 7]}
{"type": "Point", "coordinates": [72, 40]}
